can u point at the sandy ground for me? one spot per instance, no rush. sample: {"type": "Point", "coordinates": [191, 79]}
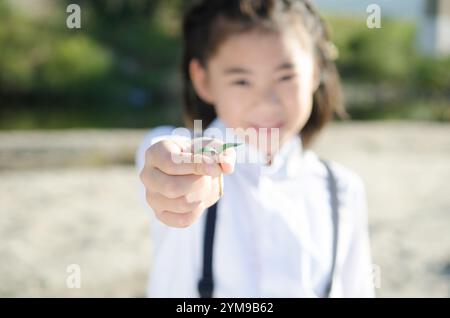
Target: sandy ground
{"type": "Point", "coordinates": [71, 198]}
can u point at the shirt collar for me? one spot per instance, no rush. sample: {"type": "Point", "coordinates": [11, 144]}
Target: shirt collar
{"type": "Point", "coordinates": [285, 164]}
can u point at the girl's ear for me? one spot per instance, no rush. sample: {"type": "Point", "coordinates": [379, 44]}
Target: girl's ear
{"type": "Point", "coordinates": [316, 77]}
{"type": "Point", "coordinates": [199, 80]}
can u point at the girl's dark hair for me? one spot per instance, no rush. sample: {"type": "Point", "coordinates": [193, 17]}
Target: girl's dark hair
{"type": "Point", "coordinates": [208, 23]}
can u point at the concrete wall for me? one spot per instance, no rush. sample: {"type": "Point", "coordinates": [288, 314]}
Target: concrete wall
{"type": "Point", "coordinates": [434, 30]}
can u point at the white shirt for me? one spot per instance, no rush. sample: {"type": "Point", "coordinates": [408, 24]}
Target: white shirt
{"type": "Point", "coordinates": [273, 232]}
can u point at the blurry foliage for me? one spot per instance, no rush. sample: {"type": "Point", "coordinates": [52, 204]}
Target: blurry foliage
{"type": "Point", "coordinates": [121, 68]}
{"type": "Point", "coordinates": [376, 55]}
{"type": "Point", "coordinates": [389, 57]}
{"type": "Point", "coordinates": [118, 69]}
{"type": "Point", "coordinates": [38, 58]}
{"type": "Point", "coordinates": [75, 61]}
{"type": "Point", "coordinates": [433, 76]}
{"type": "Point", "coordinates": [19, 54]}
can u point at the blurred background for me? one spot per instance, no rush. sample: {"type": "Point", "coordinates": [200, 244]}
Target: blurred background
{"type": "Point", "coordinates": [75, 103]}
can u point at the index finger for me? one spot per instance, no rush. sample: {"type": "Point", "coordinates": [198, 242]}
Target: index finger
{"type": "Point", "coordinates": [184, 163]}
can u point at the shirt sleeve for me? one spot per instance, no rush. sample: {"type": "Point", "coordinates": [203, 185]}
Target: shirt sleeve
{"type": "Point", "coordinates": [358, 272]}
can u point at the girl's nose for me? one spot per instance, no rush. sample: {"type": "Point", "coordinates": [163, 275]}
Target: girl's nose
{"type": "Point", "coordinates": [275, 99]}
{"type": "Point", "coordinates": [268, 99]}
{"type": "Point", "coordinates": [272, 98]}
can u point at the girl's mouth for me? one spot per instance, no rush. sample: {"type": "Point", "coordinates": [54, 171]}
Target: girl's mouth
{"type": "Point", "coordinates": [269, 127]}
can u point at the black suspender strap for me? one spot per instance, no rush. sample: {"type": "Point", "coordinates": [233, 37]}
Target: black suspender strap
{"type": "Point", "coordinates": [206, 283]}
{"type": "Point", "coordinates": [332, 188]}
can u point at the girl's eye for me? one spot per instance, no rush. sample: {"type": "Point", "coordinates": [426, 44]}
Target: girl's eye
{"type": "Point", "coordinates": [287, 78]}
{"type": "Point", "coordinates": [243, 83]}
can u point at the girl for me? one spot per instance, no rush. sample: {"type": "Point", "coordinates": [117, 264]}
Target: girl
{"type": "Point", "coordinates": [289, 225]}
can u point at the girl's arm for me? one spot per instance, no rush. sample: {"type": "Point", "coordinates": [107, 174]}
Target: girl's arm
{"type": "Point", "coordinates": [165, 241]}
{"type": "Point", "coordinates": [155, 135]}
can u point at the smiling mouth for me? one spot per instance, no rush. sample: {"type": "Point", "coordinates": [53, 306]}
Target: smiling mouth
{"type": "Point", "coordinates": [278, 125]}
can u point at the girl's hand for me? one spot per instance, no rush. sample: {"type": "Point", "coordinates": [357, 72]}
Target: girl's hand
{"type": "Point", "coordinates": [181, 184]}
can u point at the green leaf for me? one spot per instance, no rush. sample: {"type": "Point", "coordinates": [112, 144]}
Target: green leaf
{"type": "Point", "coordinates": [207, 149]}
{"type": "Point", "coordinates": [214, 151]}
{"type": "Point", "coordinates": [229, 145]}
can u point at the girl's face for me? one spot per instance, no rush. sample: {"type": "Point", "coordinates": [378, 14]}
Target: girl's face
{"type": "Point", "coordinates": [259, 80]}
